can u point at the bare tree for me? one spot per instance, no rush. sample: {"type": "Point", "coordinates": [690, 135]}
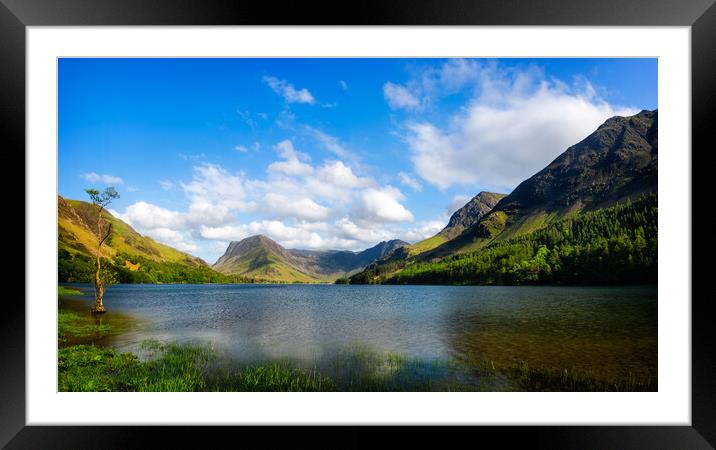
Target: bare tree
{"type": "Point", "coordinates": [104, 232]}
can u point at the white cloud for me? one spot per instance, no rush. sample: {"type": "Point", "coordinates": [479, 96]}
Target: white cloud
{"type": "Point", "coordinates": [146, 216]}
{"type": "Point", "coordinates": [241, 149]}
{"type": "Point", "coordinates": [400, 97]}
{"type": "Point", "coordinates": [343, 85]}
{"type": "Point", "coordinates": [224, 233]}
{"type": "Point", "coordinates": [167, 235]}
{"type": "Point", "coordinates": [303, 208]}
{"type": "Point", "coordinates": [289, 93]}
{"type": "Point", "coordinates": [355, 232]}
{"type": "Point", "coordinates": [213, 186]}
{"type": "Point", "coordinates": [383, 205]}
{"type": "Point", "coordinates": [93, 177]}
{"type": "Point", "coordinates": [291, 164]}
{"type": "Point", "coordinates": [337, 174]}
{"type": "Point", "coordinates": [516, 123]}
{"type": "Point", "coordinates": [409, 181]}
{"type": "Point", "coordinates": [454, 75]}
{"type": "Point", "coordinates": [166, 184]}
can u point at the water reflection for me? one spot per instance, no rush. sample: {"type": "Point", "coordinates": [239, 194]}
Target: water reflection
{"type": "Point", "coordinates": [607, 331]}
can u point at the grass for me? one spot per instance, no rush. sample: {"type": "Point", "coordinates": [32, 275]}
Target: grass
{"type": "Point", "coordinates": [426, 244]}
{"type": "Point", "coordinates": [195, 368]}
{"type": "Point", "coordinates": [61, 290]}
{"type": "Point", "coordinates": [522, 377]}
{"type": "Point", "coordinates": [176, 368]}
{"type": "Point", "coordinates": [76, 327]}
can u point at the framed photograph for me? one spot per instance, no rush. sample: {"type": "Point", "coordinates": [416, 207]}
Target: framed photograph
{"type": "Point", "coordinates": [441, 214]}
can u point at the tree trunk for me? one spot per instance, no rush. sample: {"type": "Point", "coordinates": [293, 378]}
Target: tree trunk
{"type": "Point", "coordinates": [99, 287]}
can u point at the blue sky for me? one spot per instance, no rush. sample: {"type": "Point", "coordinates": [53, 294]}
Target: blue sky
{"type": "Point", "coordinates": [323, 153]}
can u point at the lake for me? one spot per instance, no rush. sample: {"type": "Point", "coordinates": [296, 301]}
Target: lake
{"type": "Point", "coordinates": [607, 332]}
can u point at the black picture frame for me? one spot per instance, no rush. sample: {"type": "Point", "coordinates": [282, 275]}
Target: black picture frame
{"type": "Point", "coordinates": [700, 15]}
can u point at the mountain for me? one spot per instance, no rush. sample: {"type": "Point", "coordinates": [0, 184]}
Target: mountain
{"type": "Point", "coordinates": [77, 221]}
{"type": "Point", "coordinates": [471, 213]}
{"type": "Point", "coordinates": [261, 258]}
{"type": "Point", "coordinates": [616, 163]}
{"type": "Point", "coordinates": [463, 218]}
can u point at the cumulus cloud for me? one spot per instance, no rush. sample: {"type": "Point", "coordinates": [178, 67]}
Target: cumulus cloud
{"type": "Point", "coordinates": [409, 181]}
{"type": "Point", "coordinates": [516, 123]}
{"type": "Point", "coordinates": [383, 205]}
{"type": "Point", "coordinates": [147, 216]}
{"type": "Point", "coordinates": [213, 187]}
{"type": "Point", "coordinates": [303, 208]}
{"type": "Point", "coordinates": [289, 93]}
{"type": "Point", "coordinates": [362, 233]}
{"type": "Point", "coordinates": [93, 177]}
{"type": "Point", "coordinates": [400, 97]}
{"type": "Point", "coordinates": [163, 225]}
{"type": "Point", "coordinates": [337, 174]}
{"type": "Point", "coordinates": [291, 163]}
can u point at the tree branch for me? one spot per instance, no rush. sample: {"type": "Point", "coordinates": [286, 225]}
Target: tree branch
{"type": "Point", "coordinates": [109, 232]}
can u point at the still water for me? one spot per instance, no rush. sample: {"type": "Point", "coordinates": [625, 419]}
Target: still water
{"type": "Point", "coordinates": [609, 331]}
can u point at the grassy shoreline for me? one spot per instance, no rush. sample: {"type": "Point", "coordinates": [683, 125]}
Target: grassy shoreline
{"type": "Point", "coordinates": [190, 368]}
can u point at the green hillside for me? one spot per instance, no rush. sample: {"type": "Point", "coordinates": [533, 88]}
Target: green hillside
{"type": "Point", "coordinates": [616, 245]}
{"type": "Point", "coordinates": [77, 221]}
{"type": "Point", "coordinates": [128, 256]}
{"type": "Point", "coordinates": [462, 219]}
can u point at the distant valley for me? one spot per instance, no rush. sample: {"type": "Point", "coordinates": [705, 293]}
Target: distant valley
{"type": "Point", "coordinates": [262, 258]}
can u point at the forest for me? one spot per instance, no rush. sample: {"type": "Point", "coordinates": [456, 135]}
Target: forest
{"type": "Point", "coordinates": [616, 245]}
